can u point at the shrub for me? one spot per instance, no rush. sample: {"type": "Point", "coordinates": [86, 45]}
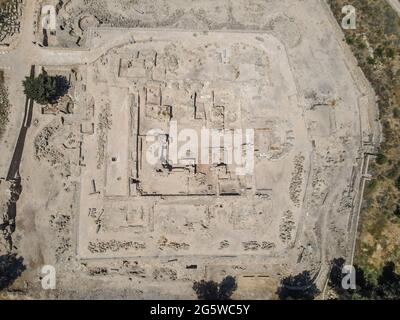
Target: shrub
{"type": "Point", "coordinates": [371, 60]}
{"type": "Point", "coordinates": [396, 211]}
{"type": "Point", "coordinates": [390, 53]}
{"type": "Point", "coordinates": [396, 112]}
{"type": "Point", "coordinates": [381, 159]}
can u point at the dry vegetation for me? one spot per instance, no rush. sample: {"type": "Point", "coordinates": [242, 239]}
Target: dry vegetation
{"type": "Point", "coordinates": [375, 43]}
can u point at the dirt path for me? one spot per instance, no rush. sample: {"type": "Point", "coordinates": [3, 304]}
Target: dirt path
{"type": "Point", "coordinates": [16, 63]}
{"type": "Point", "coordinates": [395, 5]}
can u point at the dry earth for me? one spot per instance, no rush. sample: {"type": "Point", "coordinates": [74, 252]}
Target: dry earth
{"type": "Point", "coordinates": [115, 226]}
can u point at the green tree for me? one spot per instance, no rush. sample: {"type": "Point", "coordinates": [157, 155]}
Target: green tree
{"type": "Point", "coordinates": [42, 89]}
{"type": "Point", "coordinates": [206, 290]}
{"type": "Point", "coordinates": [388, 283]}
{"type": "Point", "coordinates": [211, 290]}
{"type": "Point", "coordinates": [382, 286]}
{"type": "Point", "coordinates": [298, 287]}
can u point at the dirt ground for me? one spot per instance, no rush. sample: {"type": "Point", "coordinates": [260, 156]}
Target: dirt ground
{"type": "Point", "coordinates": [114, 226]}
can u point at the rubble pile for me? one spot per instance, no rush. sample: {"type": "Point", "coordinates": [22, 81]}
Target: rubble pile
{"type": "Point", "coordinates": [297, 180]}
{"type": "Point", "coordinates": [9, 195]}
{"type": "Point", "coordinates": [286, 227]}
{"type": "Point", "coordinates": [113, 245]}
{"type": "Point", "coordinates": [255, 245]}
{"type": "Point", "coordinates": [10, 15]}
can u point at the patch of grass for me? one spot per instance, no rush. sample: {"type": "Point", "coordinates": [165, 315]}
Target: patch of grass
{"type": "Point", "coordinates": [376, 228]}
{"type": "Point", "coordinates": [371, 186]}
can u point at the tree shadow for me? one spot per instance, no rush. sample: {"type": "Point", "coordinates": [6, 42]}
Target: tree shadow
{"type": "Point", "coordinates": [227, 287]}
{"type": "Point", "coordinates": [388, 287]}
{"type": "Point", "coordinates": [336, 275]}
{"type": "Point", "coordinates": [11, 267]}
{"type": "Point", "coordinates": [19, 147]}
{"type": "Point", "coordinates": [389, 274]}
{"type": "Point", "coordinates": [211, 290]}
{"type": "Point", "coordinates": [364, 287]}
{"type": "Point", "coordinates": [298, 287]}
{"type": "Point", "coordinates": [62, 86]}
{"type": "Point", "coordinates": [206, 290]}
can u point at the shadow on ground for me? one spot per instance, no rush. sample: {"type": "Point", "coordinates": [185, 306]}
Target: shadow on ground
{"type": "Point", "coordinates": [11, 267]}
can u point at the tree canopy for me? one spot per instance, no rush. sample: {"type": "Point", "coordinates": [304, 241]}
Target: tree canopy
{"type": "Point", "coordinates": [383, 286]}
{"type": "Point", "coordinates": [211, 290]}
{"type": "Point", "coordinates": [298, 287]}
{"type": "Point", "coordinates": [45, 89]}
